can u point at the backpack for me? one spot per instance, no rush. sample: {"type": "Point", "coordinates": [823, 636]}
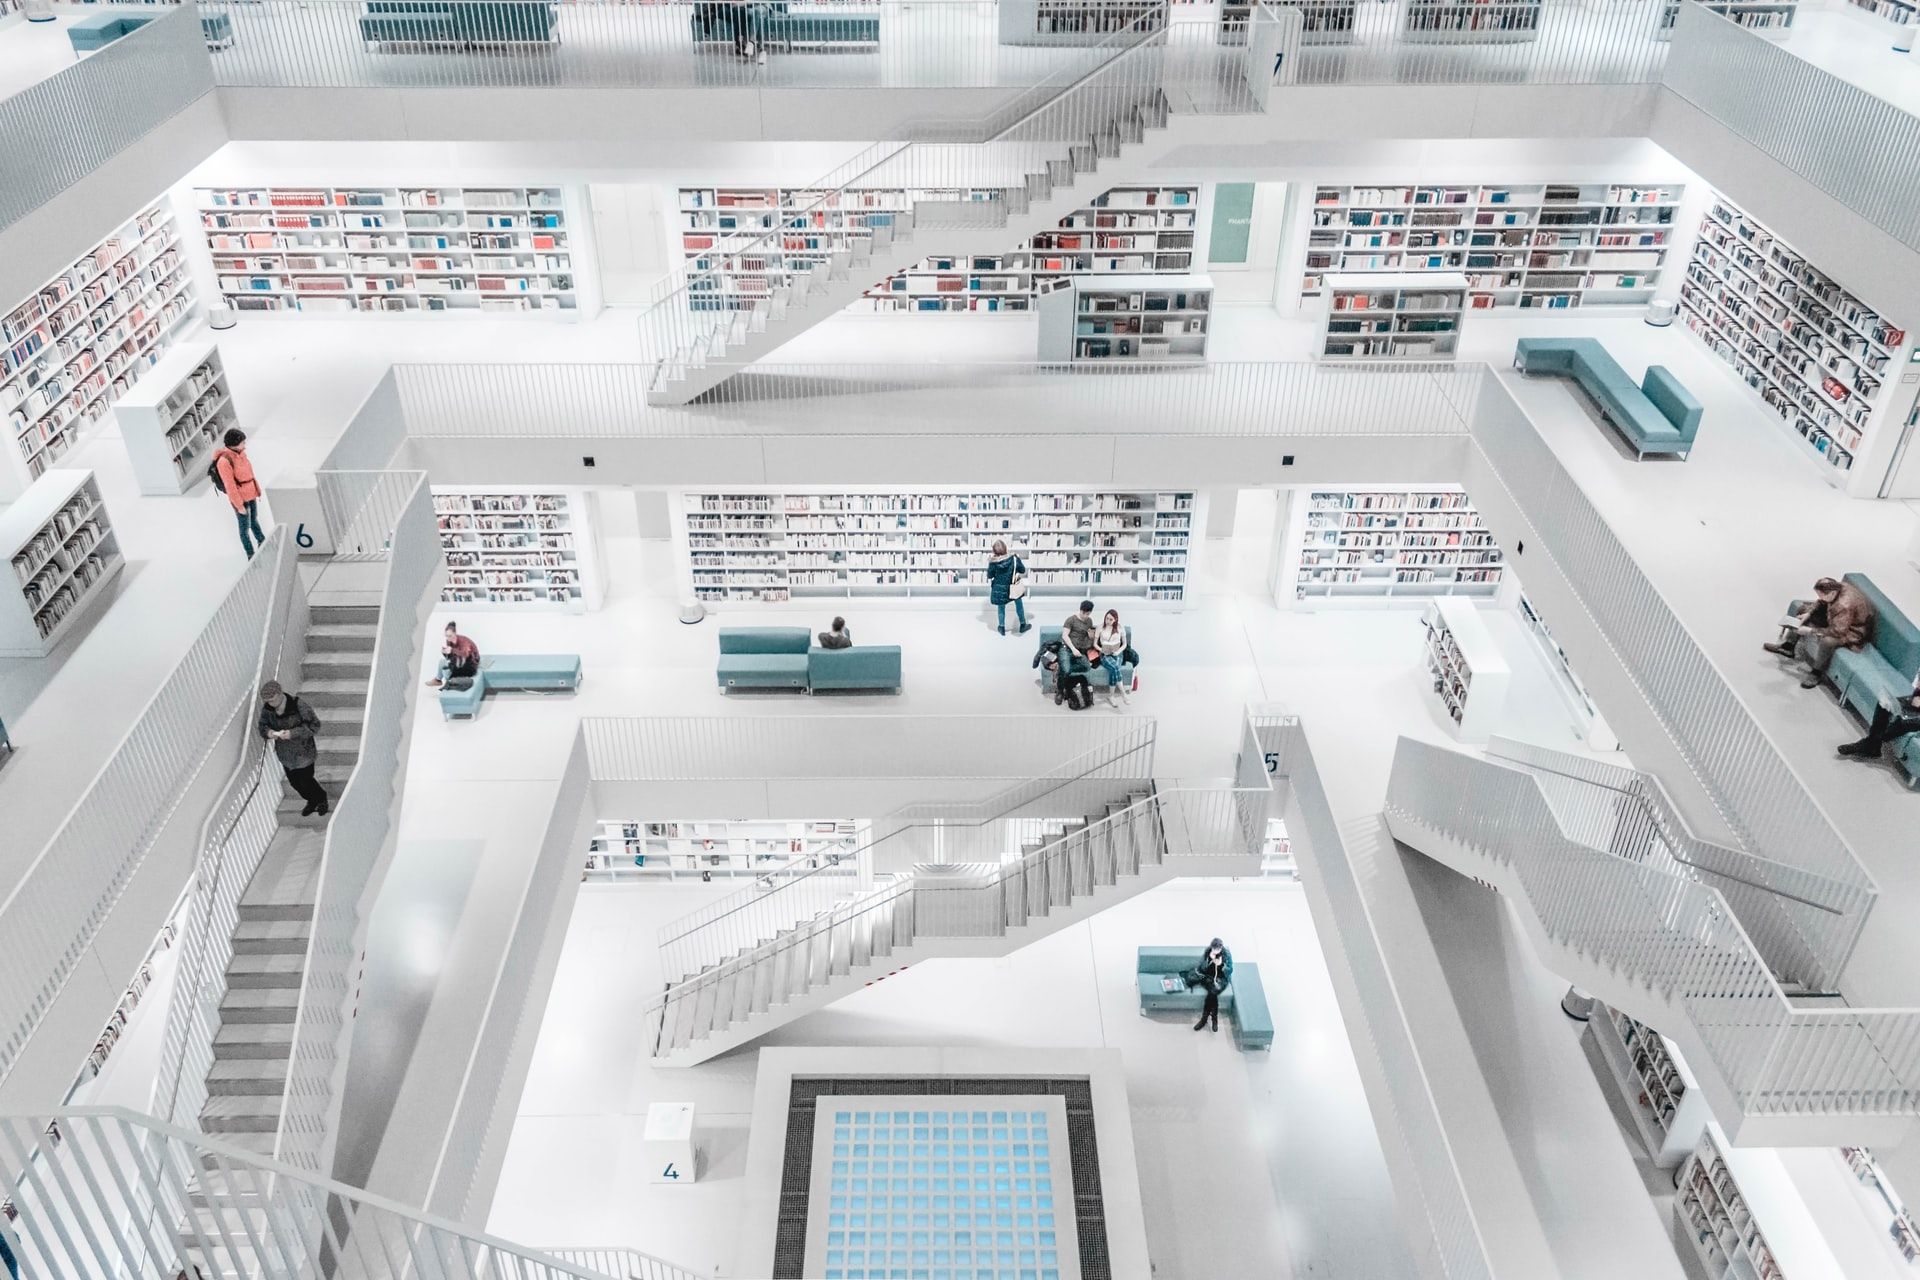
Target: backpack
{"type": "Point", "coordinates": [213, 473]}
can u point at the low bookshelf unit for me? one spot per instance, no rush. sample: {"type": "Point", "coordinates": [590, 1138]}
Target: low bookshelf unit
{"type": "Point", "coordinates": [174, 419]}
{"type": "Point", "coordinates": [510, 548]}
{"type": "Point", "coordinates": [1470, 674]}
{"type": "Point", "coordinates": [63, 553]}
{"type": "Point", "coordinates": [1387, 544]}
{"type": "Point", "coordinates": [1393, 316]}
{"type": "Point", "coordinates": [1151, 319]}
{"type": "Point", "coordinates": [722, 849]}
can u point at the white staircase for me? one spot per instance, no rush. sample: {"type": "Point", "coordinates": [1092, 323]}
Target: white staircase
{"type": "Point", "coordinates": [1667, 948]}
{"type": "Point", "coordinates": [960, 909]}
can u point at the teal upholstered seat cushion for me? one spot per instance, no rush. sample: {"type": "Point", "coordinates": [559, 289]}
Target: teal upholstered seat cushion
{"type": "Point", "coordinates": [763, 670]}
{"type": "Point", "coordinates": [1906, 751]}
{"type": "Point", "coordinates": [873, 666]}
{"type": "Point", "coordinates": [1657, 416]}
{"type": "Point", "coordinates": [765, 640]}
{"type": "Point", "coordinates": [1894, 634]}
{"type": "Point", "coordinates": [1252, 1023]}
{"type": "Point", "coordinates": [1675, 403]}
{"type": "Point", "coordinates": [1096, 675]}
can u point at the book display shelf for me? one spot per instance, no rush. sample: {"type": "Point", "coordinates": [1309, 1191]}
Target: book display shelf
{"type": "Point", "coordinates": [1816, 354]}
{"type": "Point", "coordinates": [509, 548]}
{"type": "Point", "coordinates": [1276, 853]}
{"type": "Point", "coordinates": [709, 850]}
{"type": "Point", "coordinates": [63, 552]}
{"type": "Point", "coordinates": [1712, 1218]}
{"type": "Point", "coordinates": [1770, 18]}
{"type": "Point", "coordinates": [1325, 21]}
{"type": "Point", "coordinates": [1127, 318]}
{"type": "Point", "coordinates": [770, 548]}
{"type": "Point", "coordinates": [1388, 543]}
{"type": "Point", "coordinates": [1552, 245]}
{"type": "Point", "coordinates": [129, 1001]}
{"type": "Point", "coordinates": [174, 419]}
{"type": "Point", "coordinates": [1881, 1199]}
{"type": "Point", "coordinates": [1900, 11]}
{"type": "Point", "coordinates": [81, 340]}
{"type": "Point", "coordinates": [1407, 315]}
{"type": "Point", "coordinates": [1053, 22]}
{"type": "Point", "coordinates": [1669, 1111]}
{"type": "Point", "coordinates": [1470, 21]}
{"type": "Point", "coordinates": [1470, 675]}
{"type": "Point", "coordinates": [391, 250]}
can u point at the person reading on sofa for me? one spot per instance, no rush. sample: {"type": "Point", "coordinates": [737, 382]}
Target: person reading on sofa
{"type": "Point", "coordinates": [1214, 972]}
{"type": "Point", "coordinates": [459, 660]}
{"type": "Point", "coordinates": [838, 636]}
{"type": "Point", "coordinates": [1840, 617]}
{"type": "Point", "coordinates": [1890, 721]}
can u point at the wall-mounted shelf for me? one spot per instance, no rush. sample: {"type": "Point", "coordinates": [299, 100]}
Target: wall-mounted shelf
{"type": "Point", "coordinates": [1532, 245]}
{"type": "Point", "coordinates": [174, 419]}
{"type": "Point", "coordinates": [776, 547]}
{"type": "Point", "coordinates": [83, 338]}
{"type": "Point", "coordinates": [1393, 316]}
{"type": "Point", "coordinates": [1117, 319]}
{"type": "Point", "coordinates": [1057, 22]}
{"type": "Point", "coordinates": [625, 850]}
{"type": "Point", "coordinates": [1390, 543]}
{"type": "Point", "coordinates": [62, 553]}
{"type": "Point", "coordinates": [391, 250]}
{"type": "Point", "coordinates": [509, 548]}
{"type": "Point", "coordinates": [1470, 21]}
{"type": "Point", "coordinates": [1817, 355]}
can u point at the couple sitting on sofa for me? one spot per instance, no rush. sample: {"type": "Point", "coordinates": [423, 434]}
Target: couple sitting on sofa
{"type": "Point", "coordinates": [1844, 618]}
{"type": "Point", "coordinates": [1084, 647]}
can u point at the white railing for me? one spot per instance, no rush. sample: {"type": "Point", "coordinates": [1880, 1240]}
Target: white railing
{"type": "Point", "coordinates": [1861, 150]}
{"type": "Point", "coordinates": [957, 831]}
{"type": "Point", "coordinates": [1677, 935]}
{"type": "Point", "coordinates": [620, 1263]}
{"type": "Point", "coordinates": [362, 509]}
{"type": "Point", "coordinates": [358, 837]}
{"type": "Point", "coordinates": [198, 718]}
{"type": "Point", "coordinates": [469, 1150]}
{"type": "Point", "coordinates": [1412, 1133]}
{"type": "Point", "coordinates": [1505, 42]}
{"type": "Point", "coordinates": [56, 132]}
{"type": "Point", "coordinates": [1757, 793]}
{"type": "Point", "coordinates": [235, 838]}
{"type": "Point", "coordinates": [118, 1194]}
{"type": "Point", "coordinates": [1226, 398]}
{"type": "Point", "coordinates": [1803, 923]}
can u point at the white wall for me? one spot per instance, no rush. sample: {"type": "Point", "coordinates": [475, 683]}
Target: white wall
{"type": "Point", "coordinates": [632, 222]}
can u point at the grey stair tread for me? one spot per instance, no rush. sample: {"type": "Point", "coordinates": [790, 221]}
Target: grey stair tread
{"type": "Point", "coordinates": [240, 1106]}
{"type": "Point", "coordinates": [246, 1069]}
{"type": "Point", "coordinates": [289, 871]}
{"type": "Point", "coordinates": [253, 1033]}
{"type": "Point", "coordinates": [260, 998]}
{"type": "Point", "coordinates": [314, 690]}
{"type": "Point", "coordinates": [272, 936]}
{"type": "Point", "coordinates": [257, 1143]}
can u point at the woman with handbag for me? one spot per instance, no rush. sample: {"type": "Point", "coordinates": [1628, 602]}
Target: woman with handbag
{"type": "Point", "coordinates": [1112, 638]}
{"type": "Point", "coordinates": [1215, 973]}
{"type": "Point", "coordinates": [1007, 579]}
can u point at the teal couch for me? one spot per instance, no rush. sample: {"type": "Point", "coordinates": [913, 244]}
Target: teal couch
{"type": "Point", "coordinates": [787, 658]}
{"type": "Point", "coordinates": [1883, 671]}
{"type": "Point", "coordinates": [539, 672]}
{"type": "Point", "coordinates": [453, 22]}
{"type": "Point", "coordinates": [101, 30]}
{"type": "Point", "coordinates": [1244, 1002]}
{"type": "Point", "coordinates": [1658, 416]}
{"type": "Point", "coordinates": [771, 22]}
{"type": "Point", "coordinates": [1096, 675]}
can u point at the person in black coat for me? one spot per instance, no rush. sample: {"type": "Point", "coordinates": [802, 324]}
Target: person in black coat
{"type": "Point", "coordinates": [1215, 973]}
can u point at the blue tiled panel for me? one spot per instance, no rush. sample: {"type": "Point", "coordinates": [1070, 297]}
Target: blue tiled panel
{"type": "Point", "coordinates": [941, 1195]}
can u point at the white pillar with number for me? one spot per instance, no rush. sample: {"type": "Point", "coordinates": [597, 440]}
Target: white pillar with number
{"type": "Point", "coordinates": [667, 1145]}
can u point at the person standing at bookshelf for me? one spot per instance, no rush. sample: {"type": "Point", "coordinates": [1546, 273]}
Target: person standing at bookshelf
{"type": "Point", "coordinates": [233, 476]}
{"type": "Point", "coordinates": [1007, 581]}
{"type": "Point", "coordinates": [292, 727]}
{"type": "Point", "coordinates": [1214, 974]}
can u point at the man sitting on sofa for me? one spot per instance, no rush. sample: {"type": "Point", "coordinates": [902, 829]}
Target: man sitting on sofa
{"type": "Point", "coordinates": [461, 658]}
{"type": "Point", "coordinates": [1840, 617]}
{"type": "Point", "coordinates": [839, 636]}
{"type": "Point", "coordinates": [1889, 722]}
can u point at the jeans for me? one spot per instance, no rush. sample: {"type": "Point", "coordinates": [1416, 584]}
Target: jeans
{"type": "Point", "coordinates": [1110, 663]}
{"type": "Point", "coordinates": [249, 518]}
{"type": "Point", "coordinates": [307, 787]}
{"type": "Point", "coordinates": [1019, 607]}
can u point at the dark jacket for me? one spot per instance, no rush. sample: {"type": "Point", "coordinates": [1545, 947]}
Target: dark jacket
{"type": "Point", "coordinates": [836, 639]}
{"type": "Point", "coordinates": [1850, 618]}
{"type": "Point", "coordinates": [1218, 976]}
{"type": "Point", "coordinates": [298, 751]}
{"type": "Point", "coordinates": [1000, 576]}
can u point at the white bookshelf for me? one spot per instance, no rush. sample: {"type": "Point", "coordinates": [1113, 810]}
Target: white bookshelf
{"type": "Point", "coordinates": [770, 547]}
{"type": "Point", "coordinates": [391, 250]}
{"type": "Point", "coordinates": [1121, 319]}
{"type": "Point", "coordinates": [1530, 245]}
{"type": "Point", "coordinates": [517, 548]}
{"type": "Point", "coordinates": [722, 849]}
{"type": "Point", "coordinates": [1817, 355]}
{"type": "Point", "coordinates": [1470, 21]}
{"type": "Point", "coordinates": [1713, 1219]}
{"type": "Point", "coordinates": [1385, 544]}
{"type": "Point", "coordinates": [62, 552]}
{"type": "Point", "coordinates": [174, 419]}
{"type": "Point", "coordinates": [1770, 19]}
{"type": "Point", "coordinates": [1325, 21]}
{"type": "Point", "coordinates": [1276, 852]}
{"type": "Point", "coordinates": [1669, 1111]}
{"type": "Point", "coordinates": [1058, 22]}
{"type": "Point", "coordinates": [1393, 316]}
{"type": "Point", "coordinates": [1470, 674]}
{"type": "Point", "coordinates": [1879, 1199]}
{"type": "Point", "coordinates": [1897, 11]}
{"type": "Point", "coordinates": [82, 339]}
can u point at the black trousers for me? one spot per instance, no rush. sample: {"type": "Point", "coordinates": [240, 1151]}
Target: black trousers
{"type": "Point", "coordinates": [1212, 1008]}
{"type": "Point", "coordinates": [303, 782]}
{"type": "Point", "coordinates": [1886, 727]}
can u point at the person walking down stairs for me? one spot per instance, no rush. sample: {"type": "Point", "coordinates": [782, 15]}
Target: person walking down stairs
{"type": "Point", "coordinates": [293, 728]}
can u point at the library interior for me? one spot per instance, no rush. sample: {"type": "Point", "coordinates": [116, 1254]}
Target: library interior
{"type": "Point", "coordinates": [624, 613]}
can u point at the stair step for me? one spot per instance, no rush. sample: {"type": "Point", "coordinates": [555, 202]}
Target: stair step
{"type": "Point", "coordinates": [247, 1078]}
{"type": "Point", "coordinates": [272, 937]}
{"type": "Point", "coordinates": [260, 1004]}
{"type": "Point", "coordinates": [339, 614]}
{"type": "Point", "coordinates": [342, 636]}
{"type": "Point", "coordinates": [288, 876]}
{"type": "Point", "coordinates": [257, 971]}
{"type": "Point", "coordinates": [258, 1143]}
{"type": "Point", "coordinates": [322, 694]}
{"type": "Point", "coordinates": [241, 1113]}
{"type": "Point", "coordinates": [253, 1041]}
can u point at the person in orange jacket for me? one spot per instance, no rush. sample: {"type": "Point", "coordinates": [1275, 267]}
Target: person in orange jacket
{"type": "Point", "coordinates": [234, 470]}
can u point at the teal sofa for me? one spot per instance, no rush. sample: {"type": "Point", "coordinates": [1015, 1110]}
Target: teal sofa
{"type": "Point", "coordinates": [1096, 675]}
{"type": "Point", "coordinates": [787, 658]}
{"type": "Point", "coordinates": [1243, 1003]}
{"type": "Point", "coordinates": [1658, 416]}
{"type": "Point", "coordinates": [539, 672]}
{"type": "Point", "coordinates": [771, 22]}
{"type": "Point", "coordinates": [454, 22]}
{"type": "Point", "coordinates": [1883, 671]}
{"type": "Point", "coordinates": [101, 30]}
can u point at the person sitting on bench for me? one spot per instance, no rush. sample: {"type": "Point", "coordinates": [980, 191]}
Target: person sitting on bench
{"type": "Point", "coordinates": [460, 656]}
{"type": "Point", "coordinates": [839, 637]}
{"type": "Point", "coordinates": [1889, 722]}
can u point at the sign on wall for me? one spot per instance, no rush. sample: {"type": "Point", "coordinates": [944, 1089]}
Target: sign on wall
{"type": "Point", "coordinates": [1232, 223]}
